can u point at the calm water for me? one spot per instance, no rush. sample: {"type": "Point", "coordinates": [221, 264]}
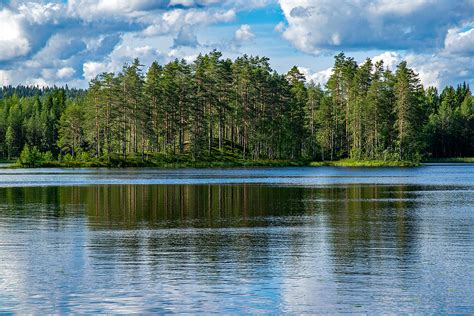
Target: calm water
{"type": "Point", "coordinates": [283, 240]}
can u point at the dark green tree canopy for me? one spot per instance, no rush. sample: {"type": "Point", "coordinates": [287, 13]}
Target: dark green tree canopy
{"type": "Point", "coordinates": [217, 108]}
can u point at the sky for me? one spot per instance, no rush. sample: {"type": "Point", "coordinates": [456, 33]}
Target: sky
{"type": "Point", "coordinates": [72, 41]}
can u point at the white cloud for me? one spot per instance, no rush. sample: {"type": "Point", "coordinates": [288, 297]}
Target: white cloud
{"type": "Point", "coordinates": [174, 20]}
{"type": "Point", "coordinates": [280, 27]}
{"type": "Point", "coordinates": [244, 33]}
{"type": "Point", "coordinates": [129, 50]}
{"type": "Point", "coordinates": [319, 77]}
{"type": "Point", "coordinates": [39, 82]}
{"type": "Point", "coordinates": [206, 17]}
{"type": "Point", "coordinates": [460, 41]}
{"type": "Point", "coordinates": [68, 41]}
{"type": "Point", "coordinates": [106, 9]}
{"type": "Point", "coordinates": [13, 42]}
{"type": "Point", "coordinates": [396, 7]}
{"type": "Point", "coordinates": [431, 69]}
{"type": "Point", "coordinates": [59, 47]}
{"type": "Point", "coordinates": [65, 73]}
{"type": "Point", "coordinates": [123, 53]}
{"type": "Point", "coordinates": [184, 3]}
{"type": "Point", "coordinates": [427, 66]}
{"type": "Point", "coordinates": [91, 69]}
{"type": "Point", "coordinates": [5, 78]}
{"type": "Point", "coordinates": [390, 59]}
{"type": "Point", "coordinates": [435, 37]}
{"type": "Point", "coordinates": [437, 70]}
{"type": "Point", "coordinates": [52, 40]}
{"type": "Point", "coordinates": [92, 9]}
{"type": "Point", "coordinates": [38, 13]}
{"type": "Point", "coordinates": [180, 53]}
{"type": "Point", "coordinates": [326, 25]}
{"type": "Point", "coordinates": [186, 37]}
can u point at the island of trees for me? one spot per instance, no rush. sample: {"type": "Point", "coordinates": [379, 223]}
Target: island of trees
{"type": "Point", "coordinates": [215, 111]}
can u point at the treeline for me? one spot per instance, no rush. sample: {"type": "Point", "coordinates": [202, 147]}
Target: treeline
{"type": "Point", "coordinates": [32, 91]}
{"type": "Point", "coordinates": [215, 106]}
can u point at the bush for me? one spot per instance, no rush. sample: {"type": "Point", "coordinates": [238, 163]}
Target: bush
{"type": "Point", "coordinates": [31, 157]}
{"type": "Point", "coordinates": [48, 157]}
{"type": "Point", "coordinates": [84, 157]}
{"type": "Point", "coordinates": [68, 158]}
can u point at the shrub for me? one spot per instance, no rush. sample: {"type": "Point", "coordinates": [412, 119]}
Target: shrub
{"type": "Point", "coordinates": [48, 157]}
{"type": "Point", "coordinates": [68, 158]}
{"type": "Point", "coordinates": [30, 157]}
{"type": "Point", "coordinates": [84, 157]}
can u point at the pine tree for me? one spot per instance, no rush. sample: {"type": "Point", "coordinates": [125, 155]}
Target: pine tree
{"type": "Point", "coordinates": [338, 86]}
{"type": "Point", "coordinates": [71, 129]}
{"type": "Point", "coordinates": [297, 111]}
{"type": "Point", "coordinates": [407, 92]}
{"type": "Point", "coordinates": [153, 94]}
{"type": "Point", "coordinates": [9, 141]}
{"type": "Point", "coordinates": [215, 106]}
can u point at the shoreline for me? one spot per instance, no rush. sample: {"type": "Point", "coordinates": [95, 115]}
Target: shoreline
{"type": "Point", "coordinates": [452, 160]}
{"type": "Point", "coordinates": [348, 163]}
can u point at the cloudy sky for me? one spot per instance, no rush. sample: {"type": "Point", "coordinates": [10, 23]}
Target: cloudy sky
{"type": "Point", "coordinates": [71, 41]}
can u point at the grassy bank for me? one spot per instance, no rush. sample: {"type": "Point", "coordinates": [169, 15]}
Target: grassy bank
{"type": "Point", "coordinates": [217, 159]}
{"type": "Point", "coordinates": [157, 163]}
{"type": "Point", "coordinates": [364, 163]}
{"type": "Point", "coordinates": [214, 163]}
{"type": "Point", "coordinates": [188, 164]}
{"type": "Point", "coordinates": [225, 158]}
{"type": "Point", "coordinates": [451, 160]}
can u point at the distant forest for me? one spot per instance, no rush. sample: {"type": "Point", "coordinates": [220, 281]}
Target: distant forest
{"type": "Point", "coordinates": [215, 105]}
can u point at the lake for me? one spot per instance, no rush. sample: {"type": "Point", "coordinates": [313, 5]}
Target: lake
{"type": "Point", "coordinates": [232, 241]}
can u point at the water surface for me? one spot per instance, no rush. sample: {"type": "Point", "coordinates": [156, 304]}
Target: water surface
{"type": "Point", "coordinates": [269, 240]}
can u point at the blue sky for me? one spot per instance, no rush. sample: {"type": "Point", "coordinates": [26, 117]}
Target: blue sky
{"type": "Point", "coordinates": [71, 41]}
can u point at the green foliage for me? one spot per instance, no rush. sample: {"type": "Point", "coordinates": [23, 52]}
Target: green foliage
{"type": "Point", "coordinates": [67, 158]}
{"type": "Point", "coordinates": [9, 140]}
{"type": "Point", "coordinates": [47, 158]}
{"type": "Point", "coordinates": [84, 157]}
{"type": "Point", "coordinates": [451, 160]}
{"type": "Point", "coordinates": [30, 157]}
{"type": "Point", "coordinates": [71, 129]}
{"type": "Point", "coordinates": [366, 163]}
{"type": "Point", "coordinates": [217, 111]}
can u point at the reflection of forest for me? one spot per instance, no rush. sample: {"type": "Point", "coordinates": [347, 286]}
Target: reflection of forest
{"type": "Point", "coordinates": [361, 221]}
{"type": "Point", "coordinates": [372, 221]}
{"type": "Point", "coordinates": [189, 205]}
{"type": "Point", "coordinates": [363, 211]}
{"type": "Point", "coordinates": [208, 204]}
{"type": "Point", "coordinates": [358, 247]}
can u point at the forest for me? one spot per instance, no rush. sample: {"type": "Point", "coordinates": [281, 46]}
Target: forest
{"type": "Point", "coordinates": [216, 109]}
